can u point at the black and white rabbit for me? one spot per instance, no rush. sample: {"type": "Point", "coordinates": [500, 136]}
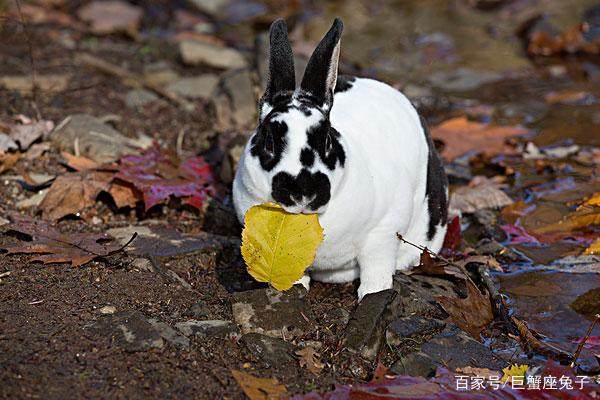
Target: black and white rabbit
{"type": "Point", "coordinates": [355, 152]}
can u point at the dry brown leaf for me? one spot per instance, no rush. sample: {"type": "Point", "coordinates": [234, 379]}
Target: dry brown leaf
{"type": "Point", "coordinates": [73, 192]}
{"type": "Point", "coordinates": [56, 247]}
{"type": "Point", "coordinates": [594, 200]}
{"type": "Point", "coordinates": [481, 193]}
{"type": "Point", "coordinates": [472, 313]}
{"type": "Point", "coordinates": [124, 194]}
{"type": "Point", "coordinates": [259, 388]}
{"type": "Point", "coordinates": [309, 359]}
{"type": "Point", "coordinates": [568, 97]}
{"type": "Point", "coordinates": [8, 160]}
{"type": "Point", "coordinates": [27, 133]}
{"type": "Point", "coordinates": [479, 372]}
{"type": "Point", "coordinates": [594, 248]}
{"type": "Point", "coordinates": [461, 136]}
{"type": "Point", "coordinates": [79, 163]}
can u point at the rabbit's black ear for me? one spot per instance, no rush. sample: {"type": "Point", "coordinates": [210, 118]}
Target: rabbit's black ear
{"type": "Point", "coordinates": [281, 76]}
{"type": "Point", "coordinates": [321, 72]}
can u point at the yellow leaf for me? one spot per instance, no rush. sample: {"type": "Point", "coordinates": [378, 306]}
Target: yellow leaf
{"type": "Point", "coordinates": [259, 388]}
{"type": "Point", "coordinates": [594, 201]}
{"type": "Point", "coordinates": [585, 216]}
{"type": "Point", "coordinates": [594, 248]}
{"type": "Point", "coordinates": [515, 370]}
{"type": "Point", "coordinates": [278, 246]}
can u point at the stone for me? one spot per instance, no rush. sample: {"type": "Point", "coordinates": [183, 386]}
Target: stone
{"type": "Point", "coordinates": [273, 313]}
{"type": "Point", "coordinates": [411, 326]}
{"type": "Point", "coordinates": [129, 330]}
{"type": "Point", "coordinates": [197, 310]}
{"type": "Point", "coordinates": [365, 330]}
{"type": "Point", "coordinates": [200, 53]}
{"type": "Point", "coordinates": [169, 334]}
{"type": "Point", "coordinates": [196, 87]}
{"type": "Point", "coordinates": [414, 364]}
{"type": "Point", "coordinates": [6, 143]}
{"type": "Point", "coordinates": [94, 139]}
{"type": "Point", "coordinates": [51, 83]}
{"type": "Point", "coordinates": [236, 102]}
{"type": "Point", "coordinates": [139, 97]}
{"type": "Point", "coordinates": [272, 351]}
{"type": "Point", "coordinates": [108, 310]}
{"type": "Point", "coordinates": [160, 73]}
{"type": "Point", "coordinates": [210, 7]}
{"type": "Point", "coordinates": [209, 328]}
{"type": "Point", "coordinates": [453, 348]}
{"type": "Point", "coordinates": [462, 79]}
{"type": "Point", "coordinates": [143, 264]}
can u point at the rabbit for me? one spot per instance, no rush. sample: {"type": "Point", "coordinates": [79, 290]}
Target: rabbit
{"type": "Point", "coordinates": [355, 152]}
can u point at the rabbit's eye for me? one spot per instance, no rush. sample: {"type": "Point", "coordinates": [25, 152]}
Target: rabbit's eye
{"type": "Point", "coordinates": [269, 144]}
{"type": "Point", "coordinates": [327, 144]}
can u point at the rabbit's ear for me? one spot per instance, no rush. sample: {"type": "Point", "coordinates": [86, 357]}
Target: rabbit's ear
{"type": "Point", "coordinates": [322, 69]}
{"type": "Point", "coordinates": [281, 76]}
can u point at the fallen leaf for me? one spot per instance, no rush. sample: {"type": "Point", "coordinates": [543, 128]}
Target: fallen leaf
{"type": "Point", "coordinates": [309, 359]}
{"type": "Point", "coordinates": [573, 97]}
{"type": "Point", "coordinates": [594, 248]}
{"type": "Point", "coordinates": [111, 16]}
{"type": "Point", "coordinates": [515, 370]}
{"type": "Point", "coordinates": [159, 174]}
{"type": "Point", "coordinates": [429, 266]}
{"type": "Point", "coordinates": [594, 200]}
{"type": "Point", "coordinates": [79, 163]}
{"type": "Point", "coordinates": [381, 373]}
{"type": "Point", "coordinates": [8, 160]}
{"type": "Point", "coordinates": [259, 388]}
{"type": "Point", "coordinates": [478, 372]}
{"type": "Point", "coordinates": [481, 193]}
{"type": "Point", "coordinates": [73, 192]}
{"type": "Point", "coordinates": [55, 247]}
{"type": "Point", "coordinates": [461, 136]}
{"type": "Point", "coordinates": [453, 238]}
{"type": "Point", "coordinates": [472, 313]}
{"type": "Point", "coordinates": [277, 246]}
{"type": "Point", "coordinates": [585, 216]}
{"type": "Point", "coordinates": [573, 40]}
{"type": "Point", "coordinates": [124, 194]}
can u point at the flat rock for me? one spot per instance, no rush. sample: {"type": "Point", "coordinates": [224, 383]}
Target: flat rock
{"type": "Point", "coordinates": [454, 348]}
{"type": "Point", "coordinates": [170, 334]}
{"type": "Point", "coordinates": [273, 313]}
{"type": "Point", "coordinates": [411, 326]}
{"type": "Point", "coordinates": [273, 351]}
{"type": "Point", "coordinates": [128, 329]}
{"type": "Point", "coordinates": [210, 7]}
{"type": "Point", "coordinates": [160, 73]}
{"type": "Point", "coordinates": [200, 53]}
{"type": "Point", "coordinates": [235, 101]}
{"type": "Point", "coordinates": [95, 139]}
{"type": "Point", "coordinates": [139, 97]}
{"type": "Point", "coordinates": [195, 87]}
{"type": "Point", "coordinates": [365, 330]}
{"type": "Point", "coordinates": [197, 310]}
{"type": "Point", "coordinates": [414, 364]}
{"type": "Point", "coordinates": [208, 328]}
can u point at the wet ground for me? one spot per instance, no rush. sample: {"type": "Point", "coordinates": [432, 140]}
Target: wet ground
{"type": "Point", "coordinates": [451, 58]}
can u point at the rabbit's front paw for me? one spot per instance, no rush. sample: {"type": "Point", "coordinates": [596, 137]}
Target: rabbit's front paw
{"type": "Point", "coordinates": [373, 287]}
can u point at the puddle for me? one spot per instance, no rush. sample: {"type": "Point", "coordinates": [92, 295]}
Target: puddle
{"type": "Point", "coordinates": [544, 299]}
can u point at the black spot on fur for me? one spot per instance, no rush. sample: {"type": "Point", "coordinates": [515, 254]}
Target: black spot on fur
{"type": "Point", "coordinates": [287, 189]}
{"type": "Point", "coordinates": [344, 83]}
{"type": "Point", "coordinates": [318, 138]}
{"type": "Point", "coordinates": [437, 183]}
{"type": "Point", "coordinates": [269, 143]}
{"type": "Point", "coordinates": [307, 157]}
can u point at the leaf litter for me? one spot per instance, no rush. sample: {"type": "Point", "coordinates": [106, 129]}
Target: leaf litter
{"type": "Point", "coordinates": [53, 246]}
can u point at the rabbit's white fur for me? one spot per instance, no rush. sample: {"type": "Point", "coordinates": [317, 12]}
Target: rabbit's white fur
{"type": "Point", "coordinates": [380, 189]}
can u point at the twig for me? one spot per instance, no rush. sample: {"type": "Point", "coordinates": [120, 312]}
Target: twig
{"type": "Point", "coordinates": [133, 80]}
{"type": "Point", "coordinates": [135, 234]}
{"type": "Point", "coordinates": [514, 326]}
{"type": "Point", "coordinates": [584, 339]}
{"type": "Point", "coordinates": [31, 61]}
